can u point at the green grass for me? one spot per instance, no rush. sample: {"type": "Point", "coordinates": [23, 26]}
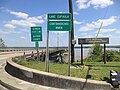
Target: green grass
{"type": "Point", "coordinates": [93, 70]}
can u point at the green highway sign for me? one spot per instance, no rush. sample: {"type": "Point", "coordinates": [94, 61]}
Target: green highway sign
{"type": "Point", "coordinates": [59, 26]}
{"type": "Point", "coordinates": [36, 33]}
{"type": "Point", "coordinates": [58, 16]}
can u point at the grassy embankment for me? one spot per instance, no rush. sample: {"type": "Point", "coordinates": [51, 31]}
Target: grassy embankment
{"type": "Point", "coordinates": [93, 70]}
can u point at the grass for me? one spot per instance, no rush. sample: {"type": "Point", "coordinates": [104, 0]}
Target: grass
{"type": "Point", "coordinates": [93, 70]}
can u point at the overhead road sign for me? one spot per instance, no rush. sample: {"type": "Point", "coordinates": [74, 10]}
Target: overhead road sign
{"type": "Point", "coordinates": [36, 33]}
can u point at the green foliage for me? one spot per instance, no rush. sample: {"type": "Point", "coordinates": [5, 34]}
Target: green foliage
{"type": "Point", "coordinates": [96, 54]}
{"type": "Point", "coordinates": [112, 55]}
{"type": "Point", "coordinates": [93, 70]}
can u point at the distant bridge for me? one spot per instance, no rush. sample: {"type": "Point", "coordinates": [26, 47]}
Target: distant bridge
{"type": "Point", "coordinates": [3, 49]}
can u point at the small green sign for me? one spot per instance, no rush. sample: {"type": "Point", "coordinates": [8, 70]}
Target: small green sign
{"type": "Point", "coordinates": [59, 16]}
{"type": "Point", "coordinates": [36, 33]}
{"type": "Point", "coordinates": [36, 44]}
{"type": "Point", "coordinates": [59, 26]}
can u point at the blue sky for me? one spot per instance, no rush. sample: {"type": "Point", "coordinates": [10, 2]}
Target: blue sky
{"type": "Point", "coordinates": [17, 16]}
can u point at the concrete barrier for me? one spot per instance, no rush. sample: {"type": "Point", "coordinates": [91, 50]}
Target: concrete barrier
{"type": "Point", "coordinates": [54, 80]}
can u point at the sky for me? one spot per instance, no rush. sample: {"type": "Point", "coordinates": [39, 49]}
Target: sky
{"type": "Point", "coordinates": [17, 16]}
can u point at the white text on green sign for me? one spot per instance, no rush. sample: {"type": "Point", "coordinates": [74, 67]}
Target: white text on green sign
{"type": "Point", "coordinates": [63, 16]}
{"type": "Point", "coordinates": [36, 33]}
{"type": "Point", "coordinates": [59, 26]}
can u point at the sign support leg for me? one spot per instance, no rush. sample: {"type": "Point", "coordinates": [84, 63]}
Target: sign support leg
{"type": "Point", "coordinates": [69, 50]}
{"type": "Point", "coordinates": [81, 54]}
{"type": "Point", "coordinates": [104, 53]}
{"type": "Point", "coordinates": [47, 54]}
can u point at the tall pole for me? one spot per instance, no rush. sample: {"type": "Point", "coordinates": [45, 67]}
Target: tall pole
{"type": "Point", "coordinates": [72, 31]}
{"type": "Point", "coordinates": [104, 53]}
{"type": "Point", "coordinates": [81, 54]}
{"type": "Point", "coordinates": [47, 53]}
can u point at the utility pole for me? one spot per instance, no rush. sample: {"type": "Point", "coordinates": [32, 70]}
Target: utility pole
{"type": "Point", "coordinates": [72, 31]}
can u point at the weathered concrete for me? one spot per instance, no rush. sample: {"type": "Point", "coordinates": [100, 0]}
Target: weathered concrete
{"type": "Point", "coordinates": [53, 80]}
{"type": "Point", "coordinates": [8, 82]}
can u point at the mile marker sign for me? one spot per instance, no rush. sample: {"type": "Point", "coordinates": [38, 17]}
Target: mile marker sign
{"type": "Point", "coordinates": [36, 34]}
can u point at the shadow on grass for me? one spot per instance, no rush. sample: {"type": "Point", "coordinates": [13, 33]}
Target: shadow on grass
{"type": "Point", "coordinates": [87, 77]}
{"type": "Point", "coordinates": [106, 79]}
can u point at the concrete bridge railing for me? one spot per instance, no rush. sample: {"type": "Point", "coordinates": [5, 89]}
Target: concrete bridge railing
{"type": "Point", "coordinates": [54, 80]}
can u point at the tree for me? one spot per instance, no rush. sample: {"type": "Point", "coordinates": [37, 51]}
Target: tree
{"type": "Point", "coordinates": [2, 43]}
{"type": "Point", "coordinates": [96, 54]}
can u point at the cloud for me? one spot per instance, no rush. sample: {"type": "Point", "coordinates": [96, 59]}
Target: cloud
{"type": "Point", "coordinates": [25, 30]}
{"type": "Point", "coordinates": [107, 30]}
{"type": "Point", "coordinates": [24, 20]}
{"type": "Point", "coordinates": [75, 13]}
{"type": "Point", "coordinates": [23, 37]}
{"type": "Point", "coordinates": [96, 25]}
{"type": "Point", "coordinates": [3, 32]}
{"type": "Point", "coordinates": [19, 14]}
{"type": "Point", "coordinates": [9, 26]}
{"type": "Point", "coordinates": [83, 4]}
{"type": "Point", "coordinates": [77, 22]}
{"type": "Point", "coordinates": [118, 32]}
{"type": "Point", "coordinates": [23, 23]}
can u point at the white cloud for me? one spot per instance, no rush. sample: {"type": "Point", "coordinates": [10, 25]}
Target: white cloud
{"type": "Point", "coordinates": [96, 25]}
{"type": "Point", "coordinates": [23, 23]}
{"type": "Point", "coordinates": [24, 19]}
{"type": "Point", "coordinates": [107, 30]}
{"type": "Point", "coordinates": [3, 32]}
{"type": "Point", "coordinates": [102, 35]}
{"type": "Point", "coordinates": [118, 32]}
{"type": "Point", "coordinates": [9, 26]}
{"type": "Point", "coordinates": [83, 4]}
{"type": "Point", "coordinates": [25, 30]}
{"type": "Point", "coordinates": [20, 14]}
{"type": "Point", "coordinates": [84, 34]}
{"type": "Point", "coordinates": [75, 13]}
{"type": "Point", "coordinates": [23, 37]}
{"type": "Point", "coordinates": [77, 22]}
{"type": "Point", "coordinates": [101, 3]}
{"type": "Point", "coordinates": [35, 19]}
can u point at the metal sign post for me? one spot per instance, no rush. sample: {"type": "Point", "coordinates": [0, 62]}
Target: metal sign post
{"type": "Point", "coordinates": [93, 41]}
{"type": "Point", "coordinates": [59, 22]}
{"type": "Point", "coordinates": [47, 54]}
{"type": "Point", "coordinates": [36, 36]}
{"type": "Point", "coordinates": [37, 45]}
{"type": "Point", "coordinates": [69, 50]}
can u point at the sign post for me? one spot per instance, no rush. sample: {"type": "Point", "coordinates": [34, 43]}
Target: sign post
{"type": "Point", "coordinates": [36, 36]}
{"type": "Point", "coordinates": [93, 41]}
{"type": "Point", "coordinates": [59, 22]}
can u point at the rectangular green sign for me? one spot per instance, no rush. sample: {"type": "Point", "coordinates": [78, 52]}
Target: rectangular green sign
{"type": "Point", "coordinates": [36, 33]}
{"type": "Point", "coordinates": [62, 16]}
{"type": "Point", "coordinates": [59, 26]}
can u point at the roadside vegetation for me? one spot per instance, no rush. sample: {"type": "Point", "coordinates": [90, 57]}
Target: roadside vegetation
{"type": "Point", "coordinates": [94, 69]}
